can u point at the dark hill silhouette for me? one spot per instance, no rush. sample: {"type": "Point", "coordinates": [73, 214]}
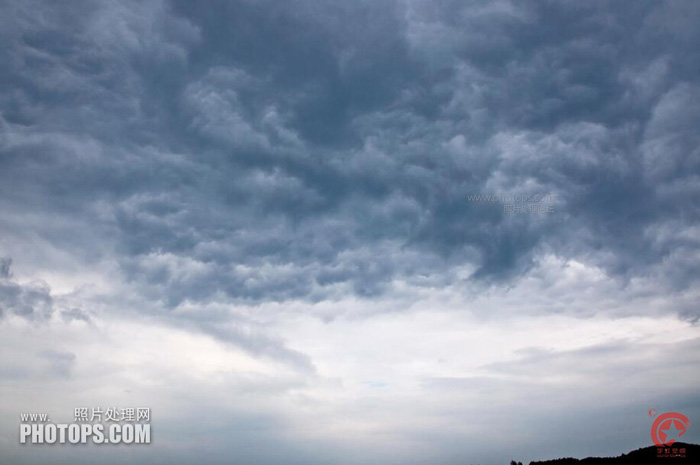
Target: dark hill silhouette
{"type": "Point", "coordinates": [647, 455]}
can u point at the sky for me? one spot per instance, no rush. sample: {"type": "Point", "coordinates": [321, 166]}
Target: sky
{"type": "Point", "coordinates": [369, 232]}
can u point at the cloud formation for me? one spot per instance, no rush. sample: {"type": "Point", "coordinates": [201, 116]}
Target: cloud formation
{"type": "Point", "coordinates": [246, 170]}
{"type": "Point", "coordinates": [30, 300]}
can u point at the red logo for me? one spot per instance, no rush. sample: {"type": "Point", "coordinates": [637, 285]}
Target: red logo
{"type": "Point", "coordinates": [668, 428]}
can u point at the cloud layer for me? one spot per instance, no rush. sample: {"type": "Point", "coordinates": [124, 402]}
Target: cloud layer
{"type": "Point", "coordinates": [268, 175]}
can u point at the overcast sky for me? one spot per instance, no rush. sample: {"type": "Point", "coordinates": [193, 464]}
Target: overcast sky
{"type": "Point", "coordinates": [257, 219]}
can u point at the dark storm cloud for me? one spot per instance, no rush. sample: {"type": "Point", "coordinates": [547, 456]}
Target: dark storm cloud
{"type": "Point", "coordinates": [256, 151]}
{"type": "Point", "coordinates": [208, 160]}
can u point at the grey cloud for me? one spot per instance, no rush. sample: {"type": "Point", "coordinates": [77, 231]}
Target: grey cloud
{"type": "Point", "coordinates": [269, 151]}
{"type": "Point", "coordinates": [59, 363]}
{"type": "Point", "coordinates": [49, 363]}
{"type": "Point", "coordinates": [31, 300]}
{"type": "Point", "coordinates": [245, 334]}
{"type": "Point", "coordinates": [5, 263]}
{"type": "Point", "coordinates": [221, 157]}
{"type": "Point", "coordinates": [75, 314]}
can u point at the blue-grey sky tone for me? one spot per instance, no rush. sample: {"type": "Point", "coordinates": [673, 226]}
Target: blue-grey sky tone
{"type": "Point", "coordinates": [260, 219]}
